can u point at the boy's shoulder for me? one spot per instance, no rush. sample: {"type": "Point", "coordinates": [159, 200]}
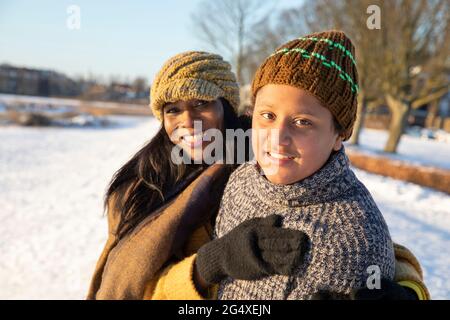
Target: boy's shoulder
{"type": "Point", "coordinates": [357, 202]}
{"type": "Point", "coordinates": [361, 193]}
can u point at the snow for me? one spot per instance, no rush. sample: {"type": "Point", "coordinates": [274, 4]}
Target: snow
{"type": "Point", "coordinates": [52, 182]}
{"type": "Point", "coordinates": [36, 102]}
{"type": "Point", "coordinates": [12, 99]}
{"type": "Point", "coordinates": [418, 218]}
{"type": "Point", "coordinates": [52, 230]}
{"type": "Point", "coordinates": [413, 148]}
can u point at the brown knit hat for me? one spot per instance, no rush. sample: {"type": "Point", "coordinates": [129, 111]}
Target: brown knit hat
{"type": "Point", "coordinates": [193, 75]}
{"type": "Point", "coordinates": [322, 64]}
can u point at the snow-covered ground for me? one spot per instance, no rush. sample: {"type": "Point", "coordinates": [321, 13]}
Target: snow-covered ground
{"type": "Point", "coordinates": [413, 149]}
{"type": "Point", "coordinates": [59, 104]}
{"type": "Point", "coordinates": [52, 230]}
{"type": "Point", "coordinates": [418, 218]}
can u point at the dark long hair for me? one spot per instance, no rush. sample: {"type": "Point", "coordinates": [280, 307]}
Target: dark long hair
{"type": "Point", "coordinates": [143, 184]}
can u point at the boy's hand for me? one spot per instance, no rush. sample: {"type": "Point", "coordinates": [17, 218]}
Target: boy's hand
{"type": "Point", "coordinates": [390, 290]}
{"type": "Point", "coordinates": [254, 249]}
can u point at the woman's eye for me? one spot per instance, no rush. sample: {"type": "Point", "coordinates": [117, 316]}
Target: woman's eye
{"type": "Point", "coordinates": [303, 122]}
{"type": "Point", "coordinates": [201, 103]}
{"type": "Point", "coordinates": [268, 116]}
{"type": "Point", "coordinates": [171, 110]}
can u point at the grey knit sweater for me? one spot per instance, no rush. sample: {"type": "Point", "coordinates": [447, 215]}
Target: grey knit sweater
{"type": "Point", "coordinates": [347, 231]}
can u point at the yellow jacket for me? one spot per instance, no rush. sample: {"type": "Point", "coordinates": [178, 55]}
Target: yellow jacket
{"type": "Point", "coordinates": [175, 281]}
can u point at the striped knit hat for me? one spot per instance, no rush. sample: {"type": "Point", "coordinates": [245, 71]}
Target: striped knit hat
{"type": "Point", "coordinates": [322, 64]}
{"type": "Point", "coordinates": [193, 75]}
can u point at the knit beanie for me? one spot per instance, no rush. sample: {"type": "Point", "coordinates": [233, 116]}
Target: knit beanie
{"type": "Point", "coordinates": [321, 63]}
{"type": "Point", "coordinates": [193, 75]}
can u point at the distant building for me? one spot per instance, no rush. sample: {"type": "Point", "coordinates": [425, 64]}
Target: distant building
{"type": "Point", "coordinates": [26, 81]}
{"type": "Point", "coordinates": [48, 83]}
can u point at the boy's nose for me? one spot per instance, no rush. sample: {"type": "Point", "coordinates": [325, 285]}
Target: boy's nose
{"type": "Point", "coordinates": [281, 135]}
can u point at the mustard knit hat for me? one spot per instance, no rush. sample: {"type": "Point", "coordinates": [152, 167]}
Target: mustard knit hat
{"type": "Point", "coordinates": [322, 64]}
{"type": "Point", "coordinates": [193, 75]}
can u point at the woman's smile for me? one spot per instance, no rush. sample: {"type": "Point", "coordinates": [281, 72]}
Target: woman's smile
{"type": "Point", "coordinates": [192, 141]}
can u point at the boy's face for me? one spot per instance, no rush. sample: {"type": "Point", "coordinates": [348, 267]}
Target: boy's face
{"type": "Point", "coordinates": [293, 134]}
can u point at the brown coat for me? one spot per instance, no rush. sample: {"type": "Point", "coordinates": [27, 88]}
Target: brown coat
{"type": "Point", "coordinates": [126, 266]}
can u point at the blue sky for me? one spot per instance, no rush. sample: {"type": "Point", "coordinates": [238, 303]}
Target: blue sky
{"type": "Point", "coordinates": [117, 38]}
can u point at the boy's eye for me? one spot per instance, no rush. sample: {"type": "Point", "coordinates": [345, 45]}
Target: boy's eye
{"type": "Point", "coordinates": [303, 122]}
{"type": "Point", "coordinates": [268, 115]}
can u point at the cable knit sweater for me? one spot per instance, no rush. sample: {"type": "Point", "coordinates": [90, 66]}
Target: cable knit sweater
{"type": "Point", "coordinates": [346, 229]}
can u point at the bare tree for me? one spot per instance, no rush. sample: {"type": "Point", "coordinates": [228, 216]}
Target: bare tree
{"type": "Point", "coordinates": [416, 39]}
{"type": "Point", "coordinates": [226, 25]}
{"type": "Point", "coordinates": [350, 16]}
{"type": "Point", "coordinates": [402, 64]}
{"type": "Point", "coordinates": [139, 84]}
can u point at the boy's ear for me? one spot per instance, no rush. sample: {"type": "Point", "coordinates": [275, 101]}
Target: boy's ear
{"type": "Point", "coordinates": [338, 143]}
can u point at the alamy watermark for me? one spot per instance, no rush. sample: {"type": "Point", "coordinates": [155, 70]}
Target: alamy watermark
{"type": "Point", "coordinates": [73, 21]}
{"type": "Point", "coordinates": [374, 20]}
{"type": "Point", "coordinates": [374, 279]}
{"type": "Point", "coordinates": [234, 146]}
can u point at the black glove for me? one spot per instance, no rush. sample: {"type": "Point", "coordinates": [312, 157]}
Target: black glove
{"type": "Point", "coordinates": [329, 295]}
{"type": "Point", "coordinates": [390, 290]}
{"type": "Point", "coordinates": [254, 249]}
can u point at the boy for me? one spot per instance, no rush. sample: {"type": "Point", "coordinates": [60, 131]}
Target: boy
{"type": "Point", "coordinates": [305, 98]}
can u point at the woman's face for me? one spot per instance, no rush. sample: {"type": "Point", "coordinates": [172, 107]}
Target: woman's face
{"type": "Point", "coordinates": [293, 134]}
{"type": "Point", "coordinates": [179, 117]}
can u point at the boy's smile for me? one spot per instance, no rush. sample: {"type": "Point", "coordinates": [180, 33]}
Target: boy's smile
{"type": "Point", "coordinates": [279, 157]}
{"type": "Point", "coordinates": [293, 134]}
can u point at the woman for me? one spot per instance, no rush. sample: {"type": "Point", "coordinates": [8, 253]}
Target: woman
{"type": "Point", "coordinates": [160, 212]}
